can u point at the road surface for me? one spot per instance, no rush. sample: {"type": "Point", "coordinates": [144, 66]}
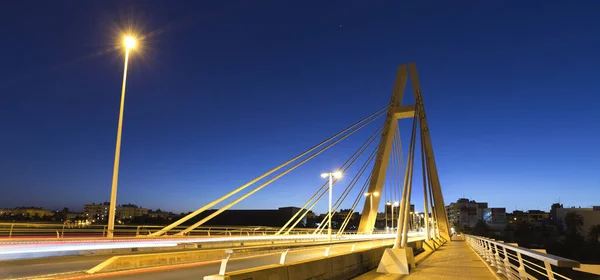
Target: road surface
{"type": "Point", "coordinates": [61, 265]}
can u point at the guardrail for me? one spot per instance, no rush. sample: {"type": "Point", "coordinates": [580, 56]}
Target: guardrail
{"type": "Point", "coordinates": [517, 262]}
{"type": "Point", "coordinates": [282, 251]}
{"type": "Point", "coordinates": [60, 230]}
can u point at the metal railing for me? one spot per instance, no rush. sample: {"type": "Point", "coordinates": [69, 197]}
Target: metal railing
{"type": "Point", "coordinates": [517, 262]}
{"type": "Point", "coordinates": [60, 230]}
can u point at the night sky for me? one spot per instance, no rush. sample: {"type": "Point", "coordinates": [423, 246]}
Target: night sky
{"type": "Point", "coordinates": [221, 91]}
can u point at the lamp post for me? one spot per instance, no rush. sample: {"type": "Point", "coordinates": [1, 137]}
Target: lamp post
{"type": "Point", "coordinates": [129, 43]}
{"type": "Point", "coordinates": [371, 195]}
{"type": "Point", "coordinates": [331, 175]}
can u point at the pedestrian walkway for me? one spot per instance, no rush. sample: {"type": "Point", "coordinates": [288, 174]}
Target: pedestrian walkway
{"type": "Point", "coordinates": [455, 260]}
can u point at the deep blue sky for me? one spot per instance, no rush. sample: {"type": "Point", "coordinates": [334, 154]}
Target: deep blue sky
{"type": "Point", "coordinates": [222, 91]}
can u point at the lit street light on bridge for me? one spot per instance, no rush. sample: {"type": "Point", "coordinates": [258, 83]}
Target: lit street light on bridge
{"type": "Point", "coordinates": [129, 42]}
{"type": "Point", "coordinates": [332, 175]}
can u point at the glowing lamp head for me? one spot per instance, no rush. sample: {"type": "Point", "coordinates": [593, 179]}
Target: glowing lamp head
{"type": "Point", "coordinates": [336, 175]}
{"type": "Point", "coordinates": [367, 194]}
{"type": "Point", "coordinates": [388, 203]}
{"type": "Point", "coordinates": [129, 42]}
{"type": "Point", "coordinates": [376, 194]}
{"type": "Point", "coordinates": [396, 203]}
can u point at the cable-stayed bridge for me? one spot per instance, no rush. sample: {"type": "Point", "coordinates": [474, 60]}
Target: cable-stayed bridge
{"type": "Point", "coordinates": [377, 173]}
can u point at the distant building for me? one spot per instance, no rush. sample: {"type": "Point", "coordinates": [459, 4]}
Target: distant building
{"type": "Point", "coordinates": [99, 212]}
{"type": "Point", "coordinates": [538, 215]}
{"type": "Point", "coordinates": [96, 212]}
{"type": "Point", "coordinates": [343, 212]}
{"type": "Point", "coordinates": [591, 216]}
{"type": "Point", "coordinates": [130, 211]}
{"type": "Point", "coordinates": [553, 208]}
{"type": "Point", "coordinates": [530, 216]}
{"type": "Point", "coordinates": [466, 212]}
{"type": "Point", "coordinates": [161, 214]}
{"type": "Point", "coordinates": [396, 208]}
{"type": "Point", "coordinates": [27, 212]}
{"type": "Point", "coordinates": [311, 215]}
{"type": "Point", "coordinates": [76, 219]}
{"type": "Point", "coordinates": [495, 216]}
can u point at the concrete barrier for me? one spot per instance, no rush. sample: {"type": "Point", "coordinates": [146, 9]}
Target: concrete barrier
{"type": "Point", "coordinates": [151, 260]}
{"type": "Point", "coordinates": [127, 262]}
{"type": "Point", "coordinates": [345, 266]}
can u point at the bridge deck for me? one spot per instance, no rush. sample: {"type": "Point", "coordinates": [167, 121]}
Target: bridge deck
{"type": "Point", "coordinates": [454, 260]}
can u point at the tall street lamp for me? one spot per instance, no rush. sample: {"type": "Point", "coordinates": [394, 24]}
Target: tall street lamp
{"type": "Point", "coordinates": [331, 175]}
{"type": "Point", "coordinates": [129, 42]}
{"type": "Point", "coordinates": [371, 195]}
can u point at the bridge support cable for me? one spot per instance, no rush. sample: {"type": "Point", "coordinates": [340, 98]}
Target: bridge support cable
{"type": "Point", "coordinates": [400, 157]}
{"type": "Point", "coordinates": [395, 173]}
{"type": "Point", "coordinates": [390, 189]}
{"type": "Point", "coordinates": [402, 234]}
{"type": "Point", "coordinates": [222, 209]}
{"type": "Point", "coordinates": [359, 196]}
{"type": "Point", "coordinates": [396, 170]}
{"type": "Point", "coordinates": [354, 205]}
{"type": "Point", "coordinates": [425, 191]}
{"type": "Point", "coordinates": [301, 217]}
{"type": "Point", "coordinates": [407, 213]}
{"type": "Point", "coordinates": [323, 189]}
{"type": "Point", "coordinates": [385, 206]}
{"type": "Point", "coordinates": [310, 208]}
{"type": "Point", "coordinates": [430, 222]}
{"type": "Point", "coordinates": [391, 171]}
{"type": "Point", "coordinates": [347, 191]}
{"type": "Point", "coordinates": [304, 208]}
{"type": "Point", "coordinates": [440, 209]}
{"type": "Point", "coordinates": [360, 193]}
{"type": "Point", "coordinates": [434, 223]}
{"type": "Point", "coordinates": [369, 119]}
{"type": "Point", "coordinates": [369, 212]}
